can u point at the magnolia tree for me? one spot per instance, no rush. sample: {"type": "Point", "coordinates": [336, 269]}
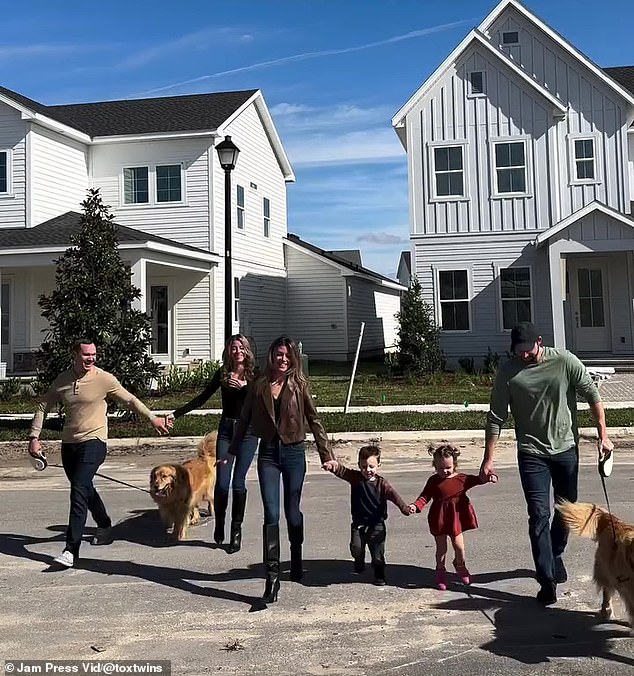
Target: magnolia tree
{"type": "Point", "coordinates": [418, 340]}
{"type": "Point", "coordinates": [93, 299]}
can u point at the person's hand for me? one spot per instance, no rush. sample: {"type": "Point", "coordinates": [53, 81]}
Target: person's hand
{"type": "Point", "coordinates": [169, 420]}
{"type": "Point", "coordinates": [486, 470]}
{"type": "Point", "coordinates": [35, 448]}
{"type": "Point", "coordinates": [412, 508]}
{"type": "Point", "coordinates": [232, 382]}
{"type": "Point", "coordinates": [220, 461]}
{"type": "Point", "coordinates": [330, 466]}
{"type": "Point", "coordinates": [605, 447]}
{"type": "Point", "coordinates": [160, 424]}
{"type": "Point", "coordinates": [492, 478]}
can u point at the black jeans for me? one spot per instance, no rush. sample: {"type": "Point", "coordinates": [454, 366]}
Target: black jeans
{"type": "Point", "coordinates": [537, 473]}
{"type": "Point", "coordinates": [81, 462]}
{"type": "Point", "coordinates": [372, 537]}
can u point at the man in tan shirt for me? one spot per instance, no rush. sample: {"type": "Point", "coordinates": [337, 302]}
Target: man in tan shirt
{"type": "Point", "coordinates": [83, 390]}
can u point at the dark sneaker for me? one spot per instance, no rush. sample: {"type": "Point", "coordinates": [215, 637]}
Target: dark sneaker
{"type": "Point", "coordinates": [102, 536]}
{"type": "Point", "coordinates": [380, 581]}
{"type": "Point", "coordinates": [359, 567]}
{"type": "Point", "coordinates": [547, 595]}
{"type": "Point", "coordinates": [561, 575]}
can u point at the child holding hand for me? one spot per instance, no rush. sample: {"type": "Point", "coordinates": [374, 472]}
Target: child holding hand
{"type": "Point", "coordinates": [451, 512]}
{"type": "Point", "coordinates": [369, 493]}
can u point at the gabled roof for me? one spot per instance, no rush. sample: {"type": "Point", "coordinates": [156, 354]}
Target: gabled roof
{"type": "Point", "coordinates": [624, 75]}
{"type": "Point", "coordinates": [342, 263]}
{"type": "Point", "coordinates": [351, 255]}
{"type": "Point", "coordinates": [578, 215]}
{"type": "Point", "coordinates": [56, 233]}
{"type": "Point", "coordinates": [476, 37]}
{"type": "Point", "coordinates": [554, 35]}
{"type": "Point", "coordinates": [405, 259]}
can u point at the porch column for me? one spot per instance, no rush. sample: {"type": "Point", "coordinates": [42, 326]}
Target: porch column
{"type": "Point", "coordinates": [557, 290]}
{"type": "Point", "coordinates": [139, 279]}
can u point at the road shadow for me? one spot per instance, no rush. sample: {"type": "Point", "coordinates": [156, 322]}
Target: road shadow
{"type": "Point", "coordinates": [527, 632]}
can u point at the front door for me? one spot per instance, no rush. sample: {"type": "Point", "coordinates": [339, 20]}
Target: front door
{"type": "Point", "coordinates": [590, 304]}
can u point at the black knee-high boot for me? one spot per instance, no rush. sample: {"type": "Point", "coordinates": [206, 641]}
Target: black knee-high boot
{"type": "Point", "coordinates": [271, 537]}
{"type": "Point", "coordinates": [296, 538]}
{"type": "Point", "coordinates": [220, 509]}
{"type": "Point", "coordinates": [238, 505]}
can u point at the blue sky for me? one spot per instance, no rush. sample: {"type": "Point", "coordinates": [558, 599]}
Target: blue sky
{"type": "Point", "coordinates": [332, 73]}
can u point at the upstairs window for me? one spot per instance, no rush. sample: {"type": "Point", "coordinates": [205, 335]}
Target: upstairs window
{"type": "Point", "coordinates": [4, 172]}
{"type": "Point", "coordinates": [236, 299]}
{"type": "Point", "coordinates": [515, 293]}
{"type": "Point", "coordinates": [448, 171]}
{"type": "Point", "coordinates": [510, 167]}
{"type": "Point", "coordinates": [266, 204]}
{"type": "Point", "coordinates": [136, 185]}
{"type": "Point", "coordinates": [168, 183]}
{"type": "Point", "coordinates": [510, 38]}
{"type": "Point", "coordinates": [454, 300]}
{"type": "Point", "coordinates": [477, 83]}
{"type": "Point", "coordinates": [584, 159]}
{"type": "Point", "coordinates": [240, 207]}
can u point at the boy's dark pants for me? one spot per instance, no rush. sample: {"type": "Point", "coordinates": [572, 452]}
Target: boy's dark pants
{"type": "Point", "coordinates": [374, 538]}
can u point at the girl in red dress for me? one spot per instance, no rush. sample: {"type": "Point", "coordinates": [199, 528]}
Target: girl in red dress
{"type": "Point", "coordinates": [451, 513]}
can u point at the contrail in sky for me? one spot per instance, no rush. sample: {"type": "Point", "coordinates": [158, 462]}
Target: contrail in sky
{"type": "Point", "coordinates": [313, 55]}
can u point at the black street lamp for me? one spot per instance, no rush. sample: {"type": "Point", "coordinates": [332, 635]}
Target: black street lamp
{"type": "Point", "coordinates": [228, 156]}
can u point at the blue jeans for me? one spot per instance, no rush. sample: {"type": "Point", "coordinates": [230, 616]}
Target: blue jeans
{"type": "Point", "coordinates": [537, 473]}
{"type": "Point", "coordinates": [274, 460]}
{"type": "Point", "coordinates": [81, 462]}
{"type": "Point", "coordinates": [243, 460]}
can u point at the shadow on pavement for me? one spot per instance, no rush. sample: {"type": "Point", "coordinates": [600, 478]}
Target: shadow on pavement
{"type": "Point", "coordinates": [532, 634]}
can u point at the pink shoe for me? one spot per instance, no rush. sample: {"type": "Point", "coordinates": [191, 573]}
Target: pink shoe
{"type": "Point", "coordinates": [463, 573]}
{"type": "Point", "coordinates": [441, 579]}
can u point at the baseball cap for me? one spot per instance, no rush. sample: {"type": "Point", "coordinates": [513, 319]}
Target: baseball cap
{"type": "Point", "coordinates": [524, 336]}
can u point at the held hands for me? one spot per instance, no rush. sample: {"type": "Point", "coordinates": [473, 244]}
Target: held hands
{"type": "Point", "coordinates": [169, 421]}
{"type": "Point", "coordinates": [412, 508]}
{"type": "Point", "coordinates": [159, 423]}
{"type": "Point", "coordinates": [330, 466]}
{"type": "Point", "coordinates": [486, 471]}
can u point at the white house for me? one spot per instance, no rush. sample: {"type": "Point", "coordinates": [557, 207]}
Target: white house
{"type": "Point", "coordinates": [156, 165]}
{"type": "Point", "coordinates": [521, 180]}
{"type": "Point", "coordinates": [329, 294]}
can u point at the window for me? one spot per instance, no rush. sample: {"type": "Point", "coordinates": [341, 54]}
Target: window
{"type": "Point", "coordinates": [236, 299]}
{"type": "Point", "coordinates": [454, 300]}
{"type": "Point", "coordinates": [510, 167]}
{"type": "Point", "coordinates": [4, 171]}
{"type": "Point", "coordinates": [168, 183]}
{"type": "Point", "coordinates": [515, 292]}
{"type": "Point", "coordinates": [510, 38]}
{"type": "Point", "coordinates": [136, 186]}
{"type": "Point", "coordinates": [5, 315]}
{"type": "Point", "coordinates": [240, 207]}
{"type": "Point", "coordinates": [591, 310]}
{"type": "Point", "coordinates": [160, 320]}
{"type": "Point", "coordinates": [476, 83]}
{"type": "Point", "coordinates": [584, 159]}
{"type": "Point", "coordinates": [267, 216]}
{"type": "Point", "coordinates": [448, 171]}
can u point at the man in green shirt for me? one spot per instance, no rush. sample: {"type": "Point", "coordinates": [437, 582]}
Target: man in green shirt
{"type": "Point", "coordinates": [539, 385]}
{"type": "Point", "coordinates": [83, 391]}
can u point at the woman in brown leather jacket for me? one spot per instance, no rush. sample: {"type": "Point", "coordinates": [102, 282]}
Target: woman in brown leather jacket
{"type": "Point", "coordinates": [277, 408]}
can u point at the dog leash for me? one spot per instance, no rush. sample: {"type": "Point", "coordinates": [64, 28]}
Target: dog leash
{"type": "Point", "coordinates": [605, 471]}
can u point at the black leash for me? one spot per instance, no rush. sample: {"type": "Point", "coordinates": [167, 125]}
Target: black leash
{"type": "Point", "coordinates": [605, 488]}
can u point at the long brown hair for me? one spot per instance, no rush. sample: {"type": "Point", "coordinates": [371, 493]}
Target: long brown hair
{"type": "Point", "coordinates": [294, 375]}
{"type": "Point", "coordinates": [249, 361]}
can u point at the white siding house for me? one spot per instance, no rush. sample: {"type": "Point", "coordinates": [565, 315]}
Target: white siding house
{"type": "Point", "coordinates": [520, 180]}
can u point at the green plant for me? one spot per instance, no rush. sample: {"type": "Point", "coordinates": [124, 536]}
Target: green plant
{"type": "Point", "coordinates": [177, 379]}
{"type": "Point", "coordinates": [418, 341]}
{"type": "Point", "coordinates": [93, 299]}
{"type": "Point", "coordinates": [467, 365]}
{"type": "Point", "coordinates": [10, 388]}
{"type": "Point", "coordinates": [491, 361]}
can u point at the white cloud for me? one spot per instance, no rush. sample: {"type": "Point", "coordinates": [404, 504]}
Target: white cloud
{"type": "Point", "coordinates": [381, 238]}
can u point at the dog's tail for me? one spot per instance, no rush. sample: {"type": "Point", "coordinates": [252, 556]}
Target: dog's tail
{"type": "Point", "coordinates": [207, 448]}
{"type": "Point", "coordinates": [584, 519]}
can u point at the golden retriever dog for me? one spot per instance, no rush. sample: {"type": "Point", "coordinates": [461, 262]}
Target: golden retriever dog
{"type": "Point", "coordinates": [178, 489]}
{"type": "Point", "coordinates": [614, 558]}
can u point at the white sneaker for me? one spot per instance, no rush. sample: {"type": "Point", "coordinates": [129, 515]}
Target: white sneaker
{"type": "Point", "coordinates": [66, 559]}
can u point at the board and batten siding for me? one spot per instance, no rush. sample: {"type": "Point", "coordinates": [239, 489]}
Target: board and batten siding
{"type": "Point", "coordinates": [59, 174]}
{"type": "Point", "coordinates": [316, 306]}
{"type": "Point", "coordinates": [594, 109]}
{"type": "Point", "coordinates": [258, 172]}
{"type": "Point", "coordinates": [482, 256]}
{"type": "Point", "coordinates": [186, 222]}
{"type": "Point", "coordinates": [368, 302]}
{"type": "Point", "coordinates": [13, 139]}
{"type": "Point", "coordinates": [446, 115]}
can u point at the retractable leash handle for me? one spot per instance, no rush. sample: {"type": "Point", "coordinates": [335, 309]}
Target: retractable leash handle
{"type": "Point", "coordinates": [606, 461]}
{"type": "Point", "coordinates": [39, 462]}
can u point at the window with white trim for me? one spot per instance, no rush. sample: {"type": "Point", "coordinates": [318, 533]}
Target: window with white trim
{"type": "Point", "coordinates": [510, 38]}
{"type": "Point", "coordinates": [477, 83]}
{"type": "Point", "coordinates": [168, 183]}
{"type": "Point", "coordinates": [240, 207]}
{"type": "Point", "coordinates": [5, 169]}
{"type": "Point", "coordinates": [515, 296]}
{"type": "Point", "coordinates": [510, 167]}
{"type": "Point", "coordinates": [236, 299]}
{"type": "Point", "coordinates": [448, 171]}
{"type": "Point", "coordinates": [136, 185]}
{"type": "Point", "coordinates": [453, 296]}
{"type": "Point", "coordinates": [160, 320]}
{"type": "Point", "coordinates": [584, 156]}
{"type": "Point", "coordinates": [266, 207]}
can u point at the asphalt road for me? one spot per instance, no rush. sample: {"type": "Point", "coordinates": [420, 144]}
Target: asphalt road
{"type": "Point", "coordinates": [199, 607]}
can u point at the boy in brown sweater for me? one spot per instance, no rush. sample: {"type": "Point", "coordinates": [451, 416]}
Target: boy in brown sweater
{"type": "Point", "coordinates": [369, 493]}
